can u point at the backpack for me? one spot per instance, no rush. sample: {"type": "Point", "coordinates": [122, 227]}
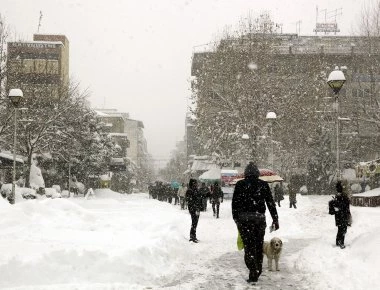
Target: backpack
{"type": "Point", "coordinates": [331, 206]}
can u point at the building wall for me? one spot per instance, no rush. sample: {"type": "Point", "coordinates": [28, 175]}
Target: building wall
{"type": "Point", "coordinates": [39, 67]}
{"type": "Point", "coordinates": [138, 146]}
{"type": "Point", "coordinates": [294, 55]}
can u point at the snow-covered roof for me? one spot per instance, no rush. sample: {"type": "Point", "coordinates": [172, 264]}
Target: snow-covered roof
{"type": "Point", "coordinates": [99, 113]}
{"type": "Point", "coordinates": [229, 171]}
{"type": "Point", "coordinates": [119, 134]}
{"type": "Point", "coordinates": [369, 193]}
{"type": "Point", "coordinates": [9, 156]}
{"type": "Point", "coordinates": [203, 165]}
{"type": "Point", "coordinates": [212, 174]}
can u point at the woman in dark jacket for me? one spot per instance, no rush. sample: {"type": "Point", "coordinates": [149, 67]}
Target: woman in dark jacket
{"type": "Point", "coordinates": [194, 204]}
{"type": "Point", "coordinates": [341, 205]}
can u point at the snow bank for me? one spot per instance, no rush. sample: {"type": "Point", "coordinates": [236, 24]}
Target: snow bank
{"type": "Point", "coordinates": [59, 241]}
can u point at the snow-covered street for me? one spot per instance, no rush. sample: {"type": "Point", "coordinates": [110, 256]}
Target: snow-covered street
{"type": "Point", "coordinates": [132, 242]}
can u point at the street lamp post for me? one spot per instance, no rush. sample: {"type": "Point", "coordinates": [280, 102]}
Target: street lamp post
{"type": "Point", "coordinates": [15, 95]}
{"type": "Point", "coordinates": [271, 116]}
{"type": "Point", "coordinates": [245, 138]}
{"type": "Point", "coordinates": [336, 80]}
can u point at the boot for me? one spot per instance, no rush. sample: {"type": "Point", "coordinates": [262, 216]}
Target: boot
{"type": "Point", "coordinates": [252, 278]}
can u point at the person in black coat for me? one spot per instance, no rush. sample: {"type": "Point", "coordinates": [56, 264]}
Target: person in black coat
{"type": "Point", "coordinates": [194, 204]}
{"type": "Point", "coordinates": [341, 204]}
{"type": "Point", "coordinates": [216, 198]}
{"type": "Point", "coordinates": [205, 194]}
{"type": "Point", "coordinates": [248, 211]}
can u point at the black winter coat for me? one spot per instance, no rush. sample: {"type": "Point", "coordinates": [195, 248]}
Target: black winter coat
{"type": "Point", "coordinates": [216, 195]}
{"type": "Point", "coordinates": [342, 210]}
{"type": "Point", "coordinates": [194, 200]}
{"type": "Point", "coordinates": [205, 192]}
{"type": "Point", "coordinates": [250, 196]}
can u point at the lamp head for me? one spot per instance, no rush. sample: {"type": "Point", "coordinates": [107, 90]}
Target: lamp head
{"type": "Point", "coordinates": [245, 136]}
{"type": "Point", "coordinates": [271, 115]}
{"type": "Point", "coordinates": [336, 80]}
{"type": "Point", "coordinates": [15, 95]}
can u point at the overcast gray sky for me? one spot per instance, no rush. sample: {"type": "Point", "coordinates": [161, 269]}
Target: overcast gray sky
{"type": "Point", "coordinates": [135, 55]}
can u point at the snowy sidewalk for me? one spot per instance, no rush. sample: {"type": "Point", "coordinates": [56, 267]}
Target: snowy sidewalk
{"type": "Point", "coordinates": [226, 269]}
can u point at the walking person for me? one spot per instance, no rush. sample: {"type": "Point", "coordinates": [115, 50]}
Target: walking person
{"type": "Point", "coordinates": [182, 195]}
{"type": "Point", "coordinates": [278, 193]}
{"type": "Point", "coordinates": [292, 195]}
{"type": "Point", "coordinates": [205, 194]}
{"type": "Point", "coordinates": [341, 209]}
{"type": "Point", "coordinates": [194, 203]}
{"type": "Point", "coordinates": [248, 211]}
{"type": "Point", "coordinates": [216, 198]}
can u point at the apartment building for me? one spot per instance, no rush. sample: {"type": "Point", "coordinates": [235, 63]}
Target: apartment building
{"type": "Point", "coordinates": [39, 67]}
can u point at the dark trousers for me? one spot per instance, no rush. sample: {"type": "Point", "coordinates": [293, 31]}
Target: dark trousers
{"type": "Point", "coordinates": [342, 230]}
{"type": "Point", "coordinates": [194, 224]}
{"type": "Point", "coordinates": [176, 200]}
{"type": "Point", "coordinates": [253, 238]}
{"type": "Point", "coordinates": [292, 203]}
{"type": "Point", "coordinates": [204, 203]}
{"type": "Point", "coordinates": [182, 201]}
{"type": "Point", "coordinates": [215, 208]}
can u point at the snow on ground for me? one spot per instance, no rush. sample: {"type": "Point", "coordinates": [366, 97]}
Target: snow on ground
{"type": "Point", "coordinates": [115, 241]}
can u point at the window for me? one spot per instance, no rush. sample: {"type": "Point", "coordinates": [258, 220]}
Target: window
{"type": "Point", "coordinates": [15, 65]}
{"type": "Point", "coordinates": [52, 66]}
{"type": "Point", "coordinates": [28, 66]}
{"type": "Point", "coordinates": [40, 66]}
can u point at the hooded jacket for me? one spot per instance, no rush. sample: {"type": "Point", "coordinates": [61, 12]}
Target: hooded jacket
{"type": "Point", "coordinates": [251, 195]}
{"type": "Point", "coordinates": [193, 197]}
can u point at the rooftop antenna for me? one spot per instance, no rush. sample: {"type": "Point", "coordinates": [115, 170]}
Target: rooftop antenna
{"type": "Point", "coordinates": [39, 22]}
{"type": "Point", "coordinates": [329, 24]}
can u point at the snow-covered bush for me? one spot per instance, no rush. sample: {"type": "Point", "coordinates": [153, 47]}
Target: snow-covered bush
{"type": "Point", "coordinates": [303, 190]}
{"type": "Point", "coordinates": [356, 188]}
{"type": "Point", "coordinates": [52, 192]}
{"type": "Point", "coordinates": [57, 187]}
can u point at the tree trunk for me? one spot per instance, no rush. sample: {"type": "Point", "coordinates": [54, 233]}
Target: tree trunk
{"type": "Point", "coordinates": [27, 173]}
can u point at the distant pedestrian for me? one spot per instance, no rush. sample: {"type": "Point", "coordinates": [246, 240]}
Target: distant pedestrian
{"type": "Point", "coordinates": [278, 193]}
{"type": "Point", "coordinates": [194, 203]}
{"type": "Point", "coordinates": [205, 193]}
{"type": "Point", "coordinates": [216, 198]}
{"type": "Point", "coordinates": [341, 209]}
{"type": "Point", "coordinates": [176, 198]}
{"type": "Point", "coordinates": [248, 211]}
{"type": "Point", "coordinates": [182, 195]}
{"type": "Point", "coordinates": [292, 195]}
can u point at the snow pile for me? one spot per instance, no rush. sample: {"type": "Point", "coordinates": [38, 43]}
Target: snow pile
{"type": "Point", "coordinates": [36, 179]}
{"type": "Point", "coordinates": [107, 193]}
{"type": "Point", "coordinates": [60, 241]}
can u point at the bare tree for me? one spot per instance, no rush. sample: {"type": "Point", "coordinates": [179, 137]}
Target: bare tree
{"type": "Point", "coordinates": [241, 80]}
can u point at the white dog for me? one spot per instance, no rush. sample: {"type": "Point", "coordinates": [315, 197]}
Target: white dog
{"type": "Point", "coordinates": [272, 250]}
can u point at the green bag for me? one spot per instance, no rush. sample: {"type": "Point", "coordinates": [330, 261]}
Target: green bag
{"type": "Point", "coordinates": [240, 244]}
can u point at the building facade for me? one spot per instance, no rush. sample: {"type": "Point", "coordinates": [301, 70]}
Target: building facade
{"type": "Point", "coordinates": [292, 56]}
{"type": "Point", "coordinates": [39, 67]}
{"type": "Point", "coordinates": [138, 151]}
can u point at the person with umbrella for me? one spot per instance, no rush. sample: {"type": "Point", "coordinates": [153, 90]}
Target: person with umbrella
{"type": "Point", "coordinates": [248, 211]}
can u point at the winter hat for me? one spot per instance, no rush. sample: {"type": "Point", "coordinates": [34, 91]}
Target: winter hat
{"type": "Point", "coordinates": [339, 187]}
{"type": "Point", "coordinates": [251, 170]}
{"type": "Point", "coordinates": [192, 182]}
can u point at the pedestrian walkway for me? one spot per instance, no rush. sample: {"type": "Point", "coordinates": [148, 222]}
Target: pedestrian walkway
{"type": "Point", "coordinates": [218, 264]}
{"type": "Point", "coordinates": [228, 271]}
